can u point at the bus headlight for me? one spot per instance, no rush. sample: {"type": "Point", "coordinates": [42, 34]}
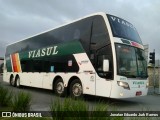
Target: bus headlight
{"type": "Point", "coordinates": [125, 85]}
{"type": "Point", "coordinates": [147, 84]}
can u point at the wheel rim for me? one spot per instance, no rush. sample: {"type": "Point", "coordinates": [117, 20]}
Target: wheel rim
{"type": "Point", "coordinates": [60, 87]}
{"type": "Point", "coordinates": [18, 82]}
{"type": "Point", "coordinates": [77, 89]}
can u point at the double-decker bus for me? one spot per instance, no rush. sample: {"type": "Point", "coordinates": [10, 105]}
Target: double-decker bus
{"type": "Point", "coordinates": [99, 55]}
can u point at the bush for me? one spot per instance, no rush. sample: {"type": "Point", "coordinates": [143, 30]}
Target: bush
{"type": "Point", "coordinates": [21, 102]}
{"type": "Point", "coordinates": [5, 97]}
{"type": "Point", "coordinates": [70, 109]}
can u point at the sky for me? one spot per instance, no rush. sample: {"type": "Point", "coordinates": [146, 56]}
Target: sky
{"type": "Point", "coordinates": [21, 19]}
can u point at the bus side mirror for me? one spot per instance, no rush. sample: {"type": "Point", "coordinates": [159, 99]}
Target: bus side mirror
{"type": "Point", "coordinates": [105, 65]}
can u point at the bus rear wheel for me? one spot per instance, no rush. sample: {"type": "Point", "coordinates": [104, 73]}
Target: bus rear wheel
{"type": "Point", "coordinates": [12, 81]}
{"type": "Point", "coordinates": [18, 82]}
{"type": "Point", "coordinates": [59, 88]}
{"type": "Point", "coordinates": [76, 90]}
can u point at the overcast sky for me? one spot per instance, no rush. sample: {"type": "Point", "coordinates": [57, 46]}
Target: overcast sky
{"type": "Point", "coordinates": [23, 18]}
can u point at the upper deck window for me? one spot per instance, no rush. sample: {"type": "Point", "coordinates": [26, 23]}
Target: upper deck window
{"type": "Point", "coordinates": [123, 29]}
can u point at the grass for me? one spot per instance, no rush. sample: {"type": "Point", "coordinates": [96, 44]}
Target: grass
{"type": "Point", "coordinates": [67, 109]}
{"type": "Point", "coordinates": [5, 97]}
{"type": "Point", "coordinates": [70, 109]}
{"type": "Point", "coordinates": [21, 102]}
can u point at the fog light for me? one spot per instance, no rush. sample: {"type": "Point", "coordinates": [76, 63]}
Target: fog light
{"type": "Point", "coordinates": [121, 94]}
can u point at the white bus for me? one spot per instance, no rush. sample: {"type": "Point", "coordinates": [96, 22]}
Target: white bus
{"type": "Point", "coordinates": [99, 55]}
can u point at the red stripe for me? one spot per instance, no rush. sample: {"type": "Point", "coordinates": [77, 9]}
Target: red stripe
{"type": "Point", "coordinates": [17, 62]}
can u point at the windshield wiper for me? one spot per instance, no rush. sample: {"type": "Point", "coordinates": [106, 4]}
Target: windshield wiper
{"type": "Point", "coordinates": [143, 76]}
{"type": "Point", "coordinates": [132, 76]}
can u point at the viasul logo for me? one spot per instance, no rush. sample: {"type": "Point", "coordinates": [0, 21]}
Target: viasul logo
{"type": "Point", "coordinates": [138, 83]}
{"type": "Point", "coordinates": [43, 52]}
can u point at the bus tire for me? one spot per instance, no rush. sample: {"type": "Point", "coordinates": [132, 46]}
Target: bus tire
{"type": "Point", "coordinates": [12, 80]}
{"type": "Point", "coordinates": [17, 82]}
{"type": "Point", "coordinates": [59, 89]}
{"type": "Point", "coordinates": [76, 90]}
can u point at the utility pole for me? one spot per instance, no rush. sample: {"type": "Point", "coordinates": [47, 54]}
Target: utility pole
{"type": "Point", "coordinates": [152, 61]}
{"type": "Point", "coordinates": [159, 75]}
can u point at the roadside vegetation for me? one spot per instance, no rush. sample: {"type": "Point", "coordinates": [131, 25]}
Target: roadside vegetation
{"type": "Point", "coordinates": [5, 97]}
{"type": "Point", "coordinates": [11, 102]}
{"type": "Point", "coordinates": [61, 109]}
{"type": "Point", "coordinates": [21, 102]}
{"type": "Point", "coordinates": [70, 109]}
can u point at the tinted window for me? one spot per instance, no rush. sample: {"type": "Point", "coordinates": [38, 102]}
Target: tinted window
{"type": "Point", "coordinates": [105, 53]}
{"type": "Point", "coordinates": [131, 61]}
{"type": "Point", "coordinates": [79, 30]}
{"type": "Point", "coordinates": [122, 28]}
{"type": "Point", "coordinates": [101, 47]}
{"type": "Point", "coordinates": [100, 36]}
{"type": "Point", "coordinates": [50, 64]}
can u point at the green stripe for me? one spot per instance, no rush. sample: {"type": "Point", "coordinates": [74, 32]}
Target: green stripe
{"type": "Point", "coordinates": [9, 66]}
{"type": "Point", "coordinates": [67, 48]}
{"type": "Point", "coordinates": [70, 48]}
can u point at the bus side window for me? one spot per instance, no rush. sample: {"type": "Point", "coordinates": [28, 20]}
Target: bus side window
{"type": "Point", "coordinates": [23, 65]}
{"type": "Point", "coordinates": [26, 66]}
{"type": "Point", "coordinates": [100, 36]}
{"type": "Point", "coordinates": [100, 47]}
{"type": "Point", "coordinates": [104, 53]}
{"type": "Point", "coordinates": [100, 71]}
{"type": "Point", "coordinates": [100, 63]}
{"type": "Point", "coordinates": [38, 66]}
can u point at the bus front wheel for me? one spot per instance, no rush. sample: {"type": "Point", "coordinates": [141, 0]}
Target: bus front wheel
{"type": "Point", "coordinates": [76, 90]}
{"type": "Point", "coordinates": [59, 88]}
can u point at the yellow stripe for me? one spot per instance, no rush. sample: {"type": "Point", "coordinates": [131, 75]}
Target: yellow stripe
{"type": "Point", "coordinates": [18, 63]}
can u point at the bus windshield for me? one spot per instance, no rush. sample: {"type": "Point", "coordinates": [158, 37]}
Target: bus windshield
{"type": "Point", "coordinates": [131, 61]}
{"type": "Point", "coordinates": [123, 29]}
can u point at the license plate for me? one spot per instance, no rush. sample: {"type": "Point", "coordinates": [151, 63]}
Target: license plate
{"type": "Point", "coordinates": [138, 93]}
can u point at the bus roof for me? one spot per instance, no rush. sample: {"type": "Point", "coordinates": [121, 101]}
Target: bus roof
{"type": "Point", "coordinates": [98, 13]}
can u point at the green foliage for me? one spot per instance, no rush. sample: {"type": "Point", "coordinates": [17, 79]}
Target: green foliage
{"type": "Point", "coordinates": [21, 102]}
{"type": "Point", "coordinates": [5, 97]}
{"type": "Point", "coordinates": [70, 109]}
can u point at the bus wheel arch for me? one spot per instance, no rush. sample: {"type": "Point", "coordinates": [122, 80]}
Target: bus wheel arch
{"type": "Point", "coordinates": [11, 80]}
{"type": "Point", "coordinates": [17, 81]}
{"type": "Point", "coordinates": [75, 87]}
{"type": "Point", "coordinates": [58, 86]}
